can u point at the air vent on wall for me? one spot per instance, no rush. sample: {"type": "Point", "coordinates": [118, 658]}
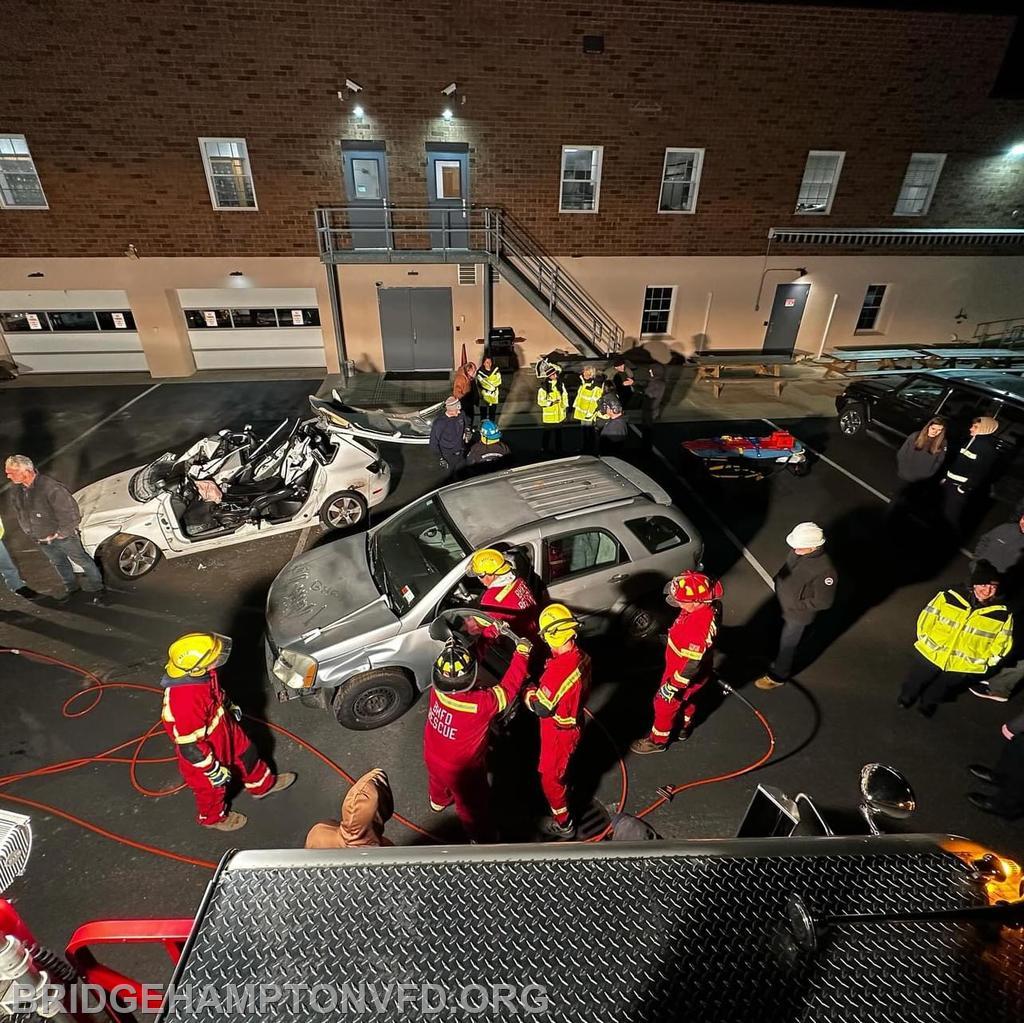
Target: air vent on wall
{"type": "Point", "coordinates": [467, 273]}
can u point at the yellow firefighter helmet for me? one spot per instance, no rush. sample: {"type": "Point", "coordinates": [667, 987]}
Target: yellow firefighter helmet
{"type": "Point", "coordinates": [558, 625]}
{"type": "Point", "coordinates": [488, 562]}
{"type": "Point", "coordinates": [196, 653]}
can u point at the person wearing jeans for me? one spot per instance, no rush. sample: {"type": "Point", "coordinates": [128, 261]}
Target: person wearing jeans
{"type": "Point", "coordinates": [49, 515]}
{"type": "Point", "coordinates": [9, 571]}
{"type": "Point", "coordinates": [804, 587]}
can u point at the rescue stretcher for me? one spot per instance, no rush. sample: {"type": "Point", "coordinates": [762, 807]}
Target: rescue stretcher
{"type": "Point", "coordinates": [749, 457]}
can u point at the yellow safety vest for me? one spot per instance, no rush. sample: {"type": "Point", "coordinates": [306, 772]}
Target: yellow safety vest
{"type": "Point", "coordinates": [955, 636]}
{"type": "Point", "coordinates": [490, 385]}
{"type": "Point", "coordinates": [584, 408]}
{"type": "Point", "coordinates": [554, 403]}
{"type": "Point", "coordinates": [1, 529]}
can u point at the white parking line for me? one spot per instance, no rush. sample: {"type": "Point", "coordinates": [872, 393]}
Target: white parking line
{"type": "Point", "coordinates": [730, 535]}
{"type": "Point", "coordinates": [300, 544]}
{"type": "Point", "coordinates": [92, 429]}
{"type": "Point", "coordinates": [856, 479]}
{"type": "Point", "coordinates": [837, 466]}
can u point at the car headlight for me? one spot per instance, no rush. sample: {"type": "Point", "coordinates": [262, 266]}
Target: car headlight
{"type": "Point", "coordinates": [295, 670]}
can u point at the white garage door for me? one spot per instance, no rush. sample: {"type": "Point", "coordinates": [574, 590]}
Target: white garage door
{"type": "Point", "coordinates": [71, 331]}
{"type": "Point", "coordinates": [253, 328]}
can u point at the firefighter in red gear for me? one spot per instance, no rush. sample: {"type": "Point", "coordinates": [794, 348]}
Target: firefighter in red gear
{"type": "Point", "coordinates": [558, 700]}
{"type": "Point", "coordinates": [204, 726]}
{"type": "Point", "coordinates": [688, 658]}
{"type": "Point", "coordinates": [506, 597]}
{"type": "Point", "coordinates": [455, 737]}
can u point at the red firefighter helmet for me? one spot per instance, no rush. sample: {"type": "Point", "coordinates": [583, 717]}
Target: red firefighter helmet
{"type": "Point", "coordinates": [692, 588]}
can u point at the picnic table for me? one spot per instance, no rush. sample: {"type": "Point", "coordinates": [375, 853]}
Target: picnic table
{"type": "Point", "coordinates": [849, 361]}
{"type": "Point", "coordinates": [710, 367]}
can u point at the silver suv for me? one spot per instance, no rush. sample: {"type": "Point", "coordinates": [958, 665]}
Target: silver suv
{"type": "Point", "coordinates": [348, 623]}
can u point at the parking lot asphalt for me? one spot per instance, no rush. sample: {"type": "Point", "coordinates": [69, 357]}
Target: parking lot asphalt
{"type": "Point", "coordinates": [840, 714]}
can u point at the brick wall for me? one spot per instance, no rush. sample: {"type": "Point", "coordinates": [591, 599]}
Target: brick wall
{"type": "Point", "coordinates": [112, 97]}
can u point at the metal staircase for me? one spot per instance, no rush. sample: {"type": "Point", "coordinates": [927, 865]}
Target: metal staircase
{"type": "Point", "coordinates": [471, 234]}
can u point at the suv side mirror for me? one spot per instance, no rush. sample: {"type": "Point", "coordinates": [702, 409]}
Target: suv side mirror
{"type": "Point", "coordinates": [884, 793]}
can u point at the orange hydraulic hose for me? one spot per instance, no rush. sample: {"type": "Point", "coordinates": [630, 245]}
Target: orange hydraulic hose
{"type": "Point", "coordinates": [96, 687]}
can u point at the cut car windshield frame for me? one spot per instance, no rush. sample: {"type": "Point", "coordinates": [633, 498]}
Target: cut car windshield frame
{"type": "Point", "coordinates": [377, 562]}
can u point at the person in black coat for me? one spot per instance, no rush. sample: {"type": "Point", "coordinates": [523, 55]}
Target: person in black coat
{"type": "Point", "coordinates": [804, 587]}
{"type": "Point", "coordinates": [448, 436]}
{"type": "Point", "coordinates": [622, 378]}
{"type": "Point", "coordinates": [970, 470]}
{"type": "Point", "coordinates": [1007, 777]}
{"type": "Point", "coordinates": [653, 396]}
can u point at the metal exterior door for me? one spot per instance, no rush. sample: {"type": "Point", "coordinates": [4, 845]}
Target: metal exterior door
{"type": "Point", "coordinates": [448, 197]}
{"type": "Point", "coordinates": [416, 328]}
{"type": "Point", "coordinates": [365, 171]}
{"type": "Point", "coordinates": [784, 323]}
{"type": "Point", "coordinates": [432, 334]}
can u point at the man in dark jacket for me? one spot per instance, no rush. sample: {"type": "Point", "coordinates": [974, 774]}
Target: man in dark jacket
{"type": "Point", "coordinates": [1003, 546]}
{"type": "Point", "coordinates": [970, 470]}
{"type": "Point", "coordinates": [447, 436]}
{"type": "Point", "coordinates": [490, 449]}
{"type": "Point", "coordinates": [804, 586]}
{"type": "Point", "coordinates": [622, 378]}
{"type": "Point", "coordinates": [653, 396]}
{"type": "Point", "coordinates": [49, 515]}
{"type": "Point", "coordinates": [1007, 777]}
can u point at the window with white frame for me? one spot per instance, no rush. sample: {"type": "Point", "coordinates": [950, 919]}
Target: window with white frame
{"type": "Point", "coordinates": [680, 178]}
{"type": "Point", "coordinates": [228, 174]}
{"type": "Point", "coordinates": [658, 307]}
{"type": "Point", "coordinates": [871, 307]}
{"type": "Point", "coordinates": [581, 179]}
{"type": "Point", "coordinates": [20, 187]}
{"type": "Point", "coordinates": [821, 176]}
{"type": "Point", "coordinates": [919, 183]}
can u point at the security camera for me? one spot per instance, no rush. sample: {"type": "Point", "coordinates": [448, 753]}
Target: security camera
{"type": "Point", "coordinates": [449, 89]}
{"type": "Point", "coordinates": [353, 86]}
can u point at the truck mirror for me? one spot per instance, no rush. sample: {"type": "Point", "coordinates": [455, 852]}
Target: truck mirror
{"type": "Point", "coordinates": [886, 793]}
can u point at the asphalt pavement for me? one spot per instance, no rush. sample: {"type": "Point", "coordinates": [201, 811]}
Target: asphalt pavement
{"type": "Point", "coordinates": [840, 714]}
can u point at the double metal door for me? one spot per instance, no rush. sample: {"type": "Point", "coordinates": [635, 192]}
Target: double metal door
{"type": "Point", "coordinates": [416, 328]}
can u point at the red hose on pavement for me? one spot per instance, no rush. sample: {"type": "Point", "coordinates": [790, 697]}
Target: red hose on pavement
{"type": "Point", "coordinates": [95, 689]}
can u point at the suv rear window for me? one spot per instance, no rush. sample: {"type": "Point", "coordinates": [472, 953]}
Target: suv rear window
{"type": "Point", "coordinates": [657, 533]}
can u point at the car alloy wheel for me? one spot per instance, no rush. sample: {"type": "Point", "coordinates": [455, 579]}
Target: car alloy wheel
{"type": "Point", "coordinates": [137, 557]}
{"type": "Point", "coordinates": [851, 421]}
{"type": "Point", "coordinates": [345, 511]}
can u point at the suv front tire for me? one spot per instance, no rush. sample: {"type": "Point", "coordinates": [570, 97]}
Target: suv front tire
{"type": "Point", "coordinates": [373, 699]}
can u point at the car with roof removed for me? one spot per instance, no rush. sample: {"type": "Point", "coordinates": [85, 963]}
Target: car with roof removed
{"type": "Point", "coordinates": [348, 622]}
{"type": "Point", "coordinates": [900, 403]}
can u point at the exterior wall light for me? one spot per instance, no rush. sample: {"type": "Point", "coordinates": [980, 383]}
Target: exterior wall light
{"type": "Point", "coordinates": [447, 113]}
{"type": "Point", "coordinates": [1017, 150]}
{"type": "Point", "coordinates": [358, 110]}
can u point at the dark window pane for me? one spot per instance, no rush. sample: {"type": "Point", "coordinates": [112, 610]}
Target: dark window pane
{"type": "Point", "coordinates": [198, 319]}
{"type": "Point", "coordinates": [657, 533]}
{"type": "Point", "coordinates": [19, 323]}
{"type": "Point", "coordinates": [68, 321]}
{"type": "Point", "coordinates": [580, 552]}
{"type": "Point", "coordinates": [298, 317]}
{"type": "Point", "coordinates": [120, 319]}
{"type": "Point", "coordinates": [254, 317]}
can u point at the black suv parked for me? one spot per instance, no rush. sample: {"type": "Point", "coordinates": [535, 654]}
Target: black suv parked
{"type": "Point", "coordinates": [902, 402]}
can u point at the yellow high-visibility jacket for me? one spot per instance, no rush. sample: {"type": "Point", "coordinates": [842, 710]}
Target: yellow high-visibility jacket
{"type": "Point", "coordinates": [588, 397]}
{"type": "Point", "coordinates": [554, 402]}
{"type": "Point", "coordinates": [490, 385]}
{"type": "Point", "coordinates": [957, 636]}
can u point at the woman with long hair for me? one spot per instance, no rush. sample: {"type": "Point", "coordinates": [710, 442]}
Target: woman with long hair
{"type": "Point", "coordinates": [919, 462]}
